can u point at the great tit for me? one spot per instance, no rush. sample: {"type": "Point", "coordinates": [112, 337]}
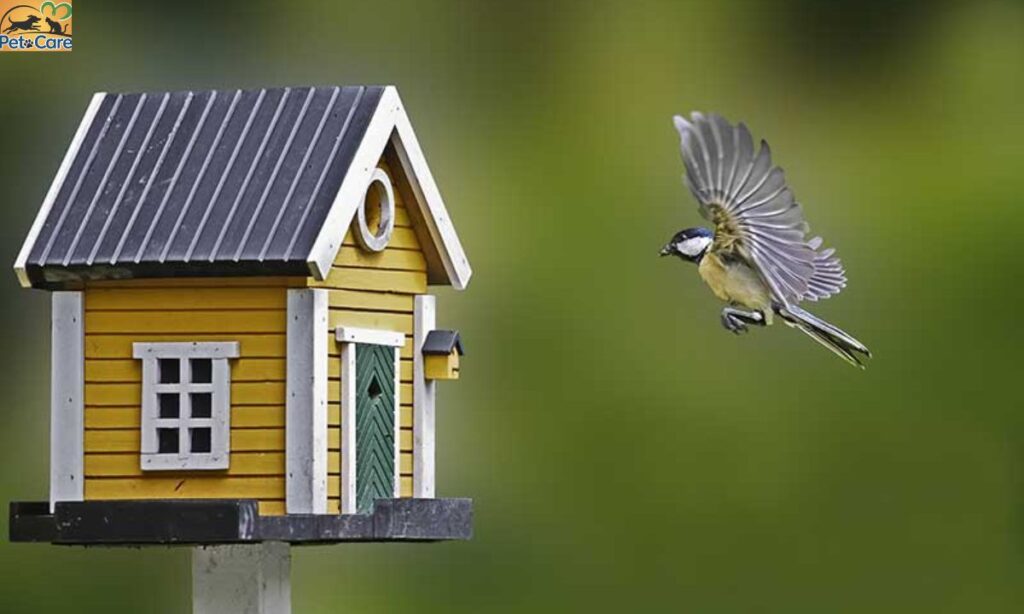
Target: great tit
{"type": "Point", "coordinates": [757, 259]}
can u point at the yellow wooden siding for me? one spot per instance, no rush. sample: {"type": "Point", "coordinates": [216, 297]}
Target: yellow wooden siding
{"type": "Point", "coordinates": [376, 290]}
{"type": "Point", "coordinates": [250, 311]}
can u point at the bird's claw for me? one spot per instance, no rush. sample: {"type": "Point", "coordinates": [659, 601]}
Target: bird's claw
{"type": "Point", "coordinates": [733, 324]}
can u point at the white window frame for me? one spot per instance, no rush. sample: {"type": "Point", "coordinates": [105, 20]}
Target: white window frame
{"type": "Point", "coordinates": [348, 337]}
{"type": "Point", "coordinates": [219, 422]}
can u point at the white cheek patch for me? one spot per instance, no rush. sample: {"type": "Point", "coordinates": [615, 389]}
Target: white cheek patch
{"type": "Point", "coordinates": [692, 247]}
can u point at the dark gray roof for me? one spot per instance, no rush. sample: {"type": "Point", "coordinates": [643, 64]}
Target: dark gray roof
{"type": "Point", "coordinates": [202, 183]}
{"type": "Point", "coordinates": [442, 342]}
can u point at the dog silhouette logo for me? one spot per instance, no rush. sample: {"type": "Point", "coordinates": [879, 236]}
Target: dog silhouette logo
{"type": "Point", "coordinates": [24, 27]}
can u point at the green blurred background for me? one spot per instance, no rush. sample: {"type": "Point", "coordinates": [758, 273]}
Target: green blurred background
{"type": "Point", "coordinates": [625, 453]}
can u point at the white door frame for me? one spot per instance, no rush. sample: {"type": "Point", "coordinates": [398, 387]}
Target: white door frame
{"type": "Point", "coordinates": [348, 337]}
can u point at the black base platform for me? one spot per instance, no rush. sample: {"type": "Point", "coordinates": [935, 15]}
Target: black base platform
{"type": "Point", "coordinates": [234, 521]}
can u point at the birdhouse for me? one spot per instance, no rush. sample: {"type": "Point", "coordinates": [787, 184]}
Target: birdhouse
{"type": "Point", "coordinates": [243, 339]}
{"type": "Point", "coordinates": [441, 352]}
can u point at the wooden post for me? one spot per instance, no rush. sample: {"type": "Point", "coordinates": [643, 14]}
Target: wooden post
{"type": "Point", "coordinates": [242, 579]}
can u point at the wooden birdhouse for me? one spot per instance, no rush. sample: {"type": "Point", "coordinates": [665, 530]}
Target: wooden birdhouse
{"type": "Point", "coordinates": [441, 352]}
{"type": "Point", "coordinates": [244, 345]}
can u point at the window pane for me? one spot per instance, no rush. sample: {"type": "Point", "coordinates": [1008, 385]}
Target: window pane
{"type": "Point", "coordinates": [202, 370]}
{"type": "Point", "coordinates": [168, 441]}
{"type": "Point", "coordinates": [202, 404]}
{"type": "Point", "coordinates": [200, 440]}
{"type": "Point", "coordinates": [169, 405]}
{"type": "Point", "coordinates": [170, 370]}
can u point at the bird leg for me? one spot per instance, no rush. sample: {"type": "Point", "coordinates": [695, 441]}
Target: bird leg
{"type": "Point", "coordinates": [736, 320]}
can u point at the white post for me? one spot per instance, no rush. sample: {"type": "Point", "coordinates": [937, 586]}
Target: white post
{"type": "Point", "coordinates": [423, 402]}
{"type": "Point", "coordinates": [242, 579]}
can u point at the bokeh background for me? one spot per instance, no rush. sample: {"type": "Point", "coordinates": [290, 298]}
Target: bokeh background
{"type": "Point", "coordinates": [625, 453]}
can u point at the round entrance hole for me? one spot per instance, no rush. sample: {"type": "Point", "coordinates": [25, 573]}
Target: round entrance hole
{"type": "Point", "coordinates": [377, 213]}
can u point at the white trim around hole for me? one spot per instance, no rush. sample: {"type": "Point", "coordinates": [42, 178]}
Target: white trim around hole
{"type": "Point", "coordinates": [379, 187]}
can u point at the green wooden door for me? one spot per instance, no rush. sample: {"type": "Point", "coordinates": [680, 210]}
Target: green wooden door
{"type": "Point", "coordinates": [375, 425]}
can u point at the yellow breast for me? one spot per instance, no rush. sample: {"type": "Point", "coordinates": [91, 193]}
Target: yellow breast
{"type": "Point", "coordinates": [735, 283]}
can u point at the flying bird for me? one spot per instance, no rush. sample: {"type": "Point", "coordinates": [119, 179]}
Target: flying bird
{"type": "Point", "coordinates": [757, 258]}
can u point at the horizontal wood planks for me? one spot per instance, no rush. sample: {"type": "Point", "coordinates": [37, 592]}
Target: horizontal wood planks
{"type": "Point", "coordinates": [378, 280]}
{"type": "Point", "coordinates": [249, 311]}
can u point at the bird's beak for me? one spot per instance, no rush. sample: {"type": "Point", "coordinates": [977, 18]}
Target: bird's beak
{"type": "Point", "coordinates": [666, 251]}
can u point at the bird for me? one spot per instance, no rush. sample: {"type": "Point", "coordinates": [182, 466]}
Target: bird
{"type": "Point", "coordinates": [757, 258]}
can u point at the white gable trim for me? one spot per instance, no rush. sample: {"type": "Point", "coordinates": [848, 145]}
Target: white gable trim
{"type": "Point", "coordinates": [442, 232]}
{"type": "Point", "coordinates": [51, 194]}
{"type": "Point", "coordinates": [390, 124]}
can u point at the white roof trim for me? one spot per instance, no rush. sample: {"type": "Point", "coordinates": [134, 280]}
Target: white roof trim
{"type": "Point", "coordinates": [51, 194]}
{"type": "Point", "coordinates": [390, 123]}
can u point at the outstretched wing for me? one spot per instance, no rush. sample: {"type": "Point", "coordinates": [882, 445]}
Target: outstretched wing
{"type": "Point", "coordinates": [829, 277]}
{"type": "Point", "coordinates": [747, 199]}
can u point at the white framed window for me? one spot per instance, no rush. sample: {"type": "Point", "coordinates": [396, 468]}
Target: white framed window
{"type": "Point", "coordinates": [186, 404]}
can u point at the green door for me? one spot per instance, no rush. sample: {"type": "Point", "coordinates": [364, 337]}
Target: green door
{"type": "Point", "coordinates": [375, 425]}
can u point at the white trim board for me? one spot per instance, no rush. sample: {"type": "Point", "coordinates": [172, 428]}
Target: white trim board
{"type": "Point", "coordinates": [347, 398]}
{"type": "Point", "coordinates": [55, 185]}
{"type": "Point", "coordinates": [396, 483]}
{"type": "Point", "coordinates": [67, 398]}
{"type": "Point", "coordinates": [306, 402]}
{"type": "Point", "coordinates": [350, 334]}
{"type": "Point", "coordinates": [390, 123]}
{"type": "Point", "coordinates": [423, 394]}
{"type": "Point", "coordinates": [431, 206]}
{"type": "Point", "coordinates": [186, 349]}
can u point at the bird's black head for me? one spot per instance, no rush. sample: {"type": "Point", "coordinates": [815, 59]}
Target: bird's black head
{"type": "Point", "coordinates": [690, 244]}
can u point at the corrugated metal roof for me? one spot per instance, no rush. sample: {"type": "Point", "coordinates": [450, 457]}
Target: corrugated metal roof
{"type": "Point", "coordinates": [202, 183]}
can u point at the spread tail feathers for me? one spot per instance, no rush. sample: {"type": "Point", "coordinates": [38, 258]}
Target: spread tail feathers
{"type": "Point", "coordinates": [840, 343]}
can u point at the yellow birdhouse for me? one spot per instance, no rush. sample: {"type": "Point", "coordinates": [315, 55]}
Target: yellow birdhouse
{"type": "Point", "coordinates": [441, 352]}
{"type": "Point", "coordinates": [242, 322]}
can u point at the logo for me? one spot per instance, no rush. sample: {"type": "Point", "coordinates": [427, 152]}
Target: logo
{"type": "Point", "coordinates": [24, 27]}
